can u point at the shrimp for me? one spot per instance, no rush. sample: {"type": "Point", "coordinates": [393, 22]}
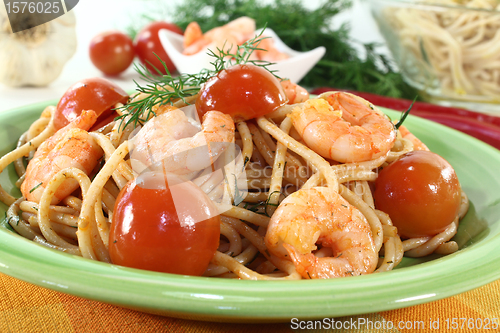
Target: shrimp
{"type": "Point", "coordinates": [320, 215]}
{"type": "Point", "coordinates": [417, 144]}
{"type": "Point", "coordinates": [71, 146]}
{"type": "Point", "coordinates": [294, 92]}
{"type": "Point", "coordinates": [269, 52]}
{"type": "Point", "coordinates": [344, 127]}
{"type": "Point", "coordinates": [178, 144]}
{"type": "Point", "coordinates": [230, 36]}
{"type": "Point", "coordinates": [192, 34]}
{"type": "Point", "coordinates": [244, 25]}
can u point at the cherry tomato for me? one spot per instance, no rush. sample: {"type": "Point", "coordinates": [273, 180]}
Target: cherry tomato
{"type": "Point", "coordinates": [420, 192]}
{"type": "Point", "coordinates": [243, 92]}
{"type": "Point", "coordinates": [149, 232]}
{"type": "Point", "coordinates": [147, 44]}
{"type": "Point", "coordinates": [111, 52]}
{"type": "Point", "coordinates": [96, 94]}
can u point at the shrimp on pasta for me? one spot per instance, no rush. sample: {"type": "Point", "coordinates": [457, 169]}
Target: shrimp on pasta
{"type": "Point", "coordinates": [344, 127]}
{"type": "Point", "coordinates": [172, 139]}
{"type": "Point", "coordinates": [321, 216]}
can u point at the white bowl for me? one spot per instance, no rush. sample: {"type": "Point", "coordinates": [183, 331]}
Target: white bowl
{"type": "Point", "coordinates": [293, 68]}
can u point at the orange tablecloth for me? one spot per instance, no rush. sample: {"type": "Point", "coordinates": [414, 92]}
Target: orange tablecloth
{"type": "Point", "coordinates": [28, 308]}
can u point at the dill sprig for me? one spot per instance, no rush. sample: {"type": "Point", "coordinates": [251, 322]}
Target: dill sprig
{"type": "Point", "coordinates": [166, 89]}
{"type": "Point", "coordinates": [405, 114]}
{"type": "Point", "coordinates": [158, 91]}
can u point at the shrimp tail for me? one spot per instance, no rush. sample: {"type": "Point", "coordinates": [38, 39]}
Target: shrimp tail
{"type": "Point", "coordinates": [84, 121]}
{"type": "Point", "coordinates": [304, 263]}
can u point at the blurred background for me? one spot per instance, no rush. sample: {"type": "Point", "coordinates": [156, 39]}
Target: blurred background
{"type": "Point", "coordinates": [448, 50]}
{"type": "Point", "coordinates": [94, 17]}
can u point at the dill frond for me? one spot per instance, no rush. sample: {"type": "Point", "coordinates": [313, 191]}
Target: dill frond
{"type": "Point", "coordinates": [166, 89]}
{"type": "Point", "coordinates": [405, 114]}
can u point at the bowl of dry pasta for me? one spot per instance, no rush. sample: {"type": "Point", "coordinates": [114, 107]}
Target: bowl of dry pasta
{"type": "Point", "coordinates": [447, 49]}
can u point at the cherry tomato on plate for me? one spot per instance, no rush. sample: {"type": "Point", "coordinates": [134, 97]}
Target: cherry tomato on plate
{"type": "Point", "coordinates": [421, 193]}
{"type": "Point", "coordinates": [241, 91]}
{"type": "Point", "coordinates": [161, 224]}
{"type": "Point", "coordinates": [148, 47]}
{"type": "Point", "coordinates": [96, 94]}
{"type": "Point", "coordinates": [111, 52]}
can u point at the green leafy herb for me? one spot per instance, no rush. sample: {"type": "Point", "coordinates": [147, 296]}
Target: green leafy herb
{"type": "Point", "coordinates": [303, 29]}
{"type": "Point", "coordinates": [238, 196]}
{"type": "Point", "coordinates": [264, 204]}
{"type": "Point", "coordinates": [166, 89]}
{"type": "Point", "coordinates": [34, 188]}
{"type": "Point", "coordinates": [19, 216]}
{"type": "Point", "coordinates": [267, 203]}
{"type": "Point", "coordinates": [405, 114]}
{"type": "Point", "coordinates": [101, 163]}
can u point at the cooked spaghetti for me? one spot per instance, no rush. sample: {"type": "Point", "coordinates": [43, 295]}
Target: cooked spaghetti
{"type": "Point", "coordinates": [282, 227]}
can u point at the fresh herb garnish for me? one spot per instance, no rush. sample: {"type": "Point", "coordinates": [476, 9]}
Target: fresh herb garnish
{"type": "Point", "coordinates": [167, 89]}
{"type": "Point", "coordinates": [19, 216]}
{"type": "Point", "coordinates": [101, 163]}
{"type": "Point", "coordinates": [267, 203]}
{"type": "Point", "coordinates": [264, 204]}
{"type": "Point", "coordinates": [304, 29]}
{"type": "Point", "coordinates": [34, 188]}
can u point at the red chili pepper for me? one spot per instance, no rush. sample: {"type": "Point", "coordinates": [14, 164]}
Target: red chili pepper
{"type": "Point", "coordinates": [481, 126]}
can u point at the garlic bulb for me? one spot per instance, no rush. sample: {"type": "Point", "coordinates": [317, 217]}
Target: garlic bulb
{"type": "Point", "coordinates": [35, 57]}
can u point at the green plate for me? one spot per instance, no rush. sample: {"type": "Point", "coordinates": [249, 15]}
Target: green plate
{"type": "Point", "coordinates": [415, 281]}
